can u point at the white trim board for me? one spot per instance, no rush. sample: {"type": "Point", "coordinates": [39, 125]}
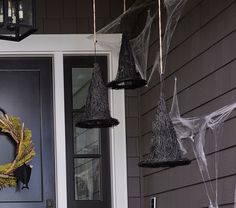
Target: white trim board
{"type": "Point", "coordinates": [57, 46]}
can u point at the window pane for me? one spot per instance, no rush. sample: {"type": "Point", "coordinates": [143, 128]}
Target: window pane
{"type": "Point", "coordinates": [86, 141]}
{"type": "Point", "coordinates": [87, 179]}
{"type": "Point", "coordinates": [25, 12]}
{"type": "Point", "coordinates": [81, 78]}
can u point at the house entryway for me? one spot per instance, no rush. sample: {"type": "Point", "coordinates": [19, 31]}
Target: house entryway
{"type": "Point", "coordinates": [32, 87]}
{"type": "Point", "coordinates": [26, 91]}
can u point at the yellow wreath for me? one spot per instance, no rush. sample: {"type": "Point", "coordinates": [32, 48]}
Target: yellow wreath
{"type": "Point", "coordinates": [24, 148]}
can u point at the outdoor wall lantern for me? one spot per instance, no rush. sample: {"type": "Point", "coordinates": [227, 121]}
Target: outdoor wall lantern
{"type": "Point", "coordinates": [17, 19]}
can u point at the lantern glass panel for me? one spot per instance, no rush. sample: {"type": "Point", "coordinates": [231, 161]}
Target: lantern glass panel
{"type": "Point", "coordinates": [25, 12]}
{"type": "Point", "coordinates": [1, 13]}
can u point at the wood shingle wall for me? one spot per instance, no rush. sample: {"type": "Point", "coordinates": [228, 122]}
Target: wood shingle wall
{"type": "Point", "coordinates": [75, 16]}
{"type": "Point", "coordinates": [203, 58]}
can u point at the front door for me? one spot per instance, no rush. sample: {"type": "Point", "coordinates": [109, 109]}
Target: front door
{"type": "Point", "coordinates": [26, 92]}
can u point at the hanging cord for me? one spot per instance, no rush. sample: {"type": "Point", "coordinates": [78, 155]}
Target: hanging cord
{"type": "Point", "coordinates": [94, 31]}
{"type": "Point", "coordinates": [124, 6]}
{"type": "Point", "coordinates": [160, 42]}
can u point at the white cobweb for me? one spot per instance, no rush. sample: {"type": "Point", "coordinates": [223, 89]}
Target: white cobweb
{"type": "Point", "coordinates": [139, 44]}
{"type": "Point", "coordinates": [174, 10]}
{"type": "Point", "coordinates": [195, 129]}
{"type": "Point", "coordinates": [235, 198]}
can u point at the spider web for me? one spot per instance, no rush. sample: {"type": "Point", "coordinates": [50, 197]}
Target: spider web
{"type": "Point", "coordinates": [195, 129]}
{"type": "Point", "coordinates": [139, 44]}
{"type": "Point", "coordinates": [174, 10]}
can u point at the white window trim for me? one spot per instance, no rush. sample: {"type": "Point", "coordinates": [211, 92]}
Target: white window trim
{"type": "Point", "coordinates": [57, 46]}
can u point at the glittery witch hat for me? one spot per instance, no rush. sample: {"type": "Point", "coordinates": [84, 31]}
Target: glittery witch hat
{"type": "Point", "coordinates": [96, 113]}
{"type": "Point", "coordinates": [165, 149]}
{"type": "Point", "coordinates": [127, 76]}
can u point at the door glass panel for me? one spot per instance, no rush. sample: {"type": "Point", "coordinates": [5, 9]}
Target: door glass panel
{"type": "Point", "coordinates": [86, 141]}
{"type": "Point", "coordinates": [87, 154]}
{"type": "Point", "coordinates": [81, 78]}
{"type": "Point", "coordinates": [87, 179]}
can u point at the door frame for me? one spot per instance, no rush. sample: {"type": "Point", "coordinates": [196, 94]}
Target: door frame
{"type": "Point", "coordinates": [56, 46]}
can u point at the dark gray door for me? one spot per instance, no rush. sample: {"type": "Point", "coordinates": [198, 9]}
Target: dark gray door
{"type": "Point", "coordinates": [26, 92]}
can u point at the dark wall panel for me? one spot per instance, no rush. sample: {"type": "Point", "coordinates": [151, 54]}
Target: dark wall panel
{"type": "Point", "coordinates": [133, 138]}
{"type": "Point", "coordinates": [75, 16]}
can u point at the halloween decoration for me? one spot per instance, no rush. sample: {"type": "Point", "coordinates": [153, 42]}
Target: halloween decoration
{"type": "Point", "coordinates": [235, 198]}
{"type": "Point", "coordinates": [194, 130]}
{"type": "Point", "coordinates": [17, 19]}
{"type": "Point", "coordinates": [174, 10]}
{"type": "Point", "coordinates": [22, 174]}
{"type": "Point", "coordinates": [139, 45]}
{"type": "Point", "coordinates": [127, 77]}
{"type": "Point", "coordinates": [11, 172]}
{"type": "Point", "coordinates": [165, 150]}
{"type": "Point", "coordinates": [96, 111]}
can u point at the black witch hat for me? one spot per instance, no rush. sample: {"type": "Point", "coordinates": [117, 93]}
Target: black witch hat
{"type": "Point", "coordinates": [23, 174]}
{"type": "Point", "coordinates": [127, 76]}
{"type": "Point", "coordinates": [165, 149]}
{"type": "Point", "coordinates": [96, 113]}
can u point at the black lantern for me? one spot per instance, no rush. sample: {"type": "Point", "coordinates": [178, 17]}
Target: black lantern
{"type": "Point", "coordinates": [127, 76]}
{"type": "Point", "coordinates": [165, 149]}
{"type": "Point", "coordinates": [17, 19]}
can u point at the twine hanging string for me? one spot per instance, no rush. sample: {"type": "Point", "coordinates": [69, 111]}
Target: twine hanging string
{"type": "Point", "coordinates": [124, 6]}
{"type": "Point", "coordinates": [160, 41]}
{"type": "Point", "coordinates": [94, 30]}
{"type": "Point", "coordinates": [160, 47]}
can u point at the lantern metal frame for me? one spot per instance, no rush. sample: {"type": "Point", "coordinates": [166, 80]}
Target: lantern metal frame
{"type": "Point", "coordinates": [9, 29]}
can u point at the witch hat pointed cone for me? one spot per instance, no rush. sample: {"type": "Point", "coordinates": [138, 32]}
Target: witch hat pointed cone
{"type": "Point", "coordinates": [96, 113]}
{"type": "Point", "coordinates": [165, 149]}
{"type": "Point", "coordinates": [127, 76]}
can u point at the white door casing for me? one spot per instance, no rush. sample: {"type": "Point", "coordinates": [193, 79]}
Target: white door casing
{"type": "Point", "coordinates": [57, 46]}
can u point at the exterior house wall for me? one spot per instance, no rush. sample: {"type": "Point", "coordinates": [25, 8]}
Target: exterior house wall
{"type": "Point", "coordinates": [133, 138]}
{"type": "Point", "coordinates": [75, 16]}
{"type": "Point", "coordinates": [202, 57]}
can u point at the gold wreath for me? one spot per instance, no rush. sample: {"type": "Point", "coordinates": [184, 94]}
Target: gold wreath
{"type": "Point", "coordinates": [24, 148]}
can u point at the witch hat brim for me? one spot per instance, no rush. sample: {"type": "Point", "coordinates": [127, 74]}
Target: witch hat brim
{"type": "Point", "coordinates": [158, 164]}
{"type": "Point", "coordinates": [97, 123]}
{"type": "Point", "coordinates": [127, 83]}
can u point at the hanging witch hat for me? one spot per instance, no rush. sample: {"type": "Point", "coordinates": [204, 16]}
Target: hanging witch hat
{"type": "Point", "coordinates": [96, 112]}
{"type": "Point", "coordinates": [127, 76]}
{"type": "Point", "coordinates": [165, 149]}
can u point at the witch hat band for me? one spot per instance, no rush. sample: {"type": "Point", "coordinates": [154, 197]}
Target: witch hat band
{"type": "Point", "coordinates": [165, 149]}
{"type": "Point", "coordinates": [96, 113]}
{"type": "Point", "coordinates": [127, 76]}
